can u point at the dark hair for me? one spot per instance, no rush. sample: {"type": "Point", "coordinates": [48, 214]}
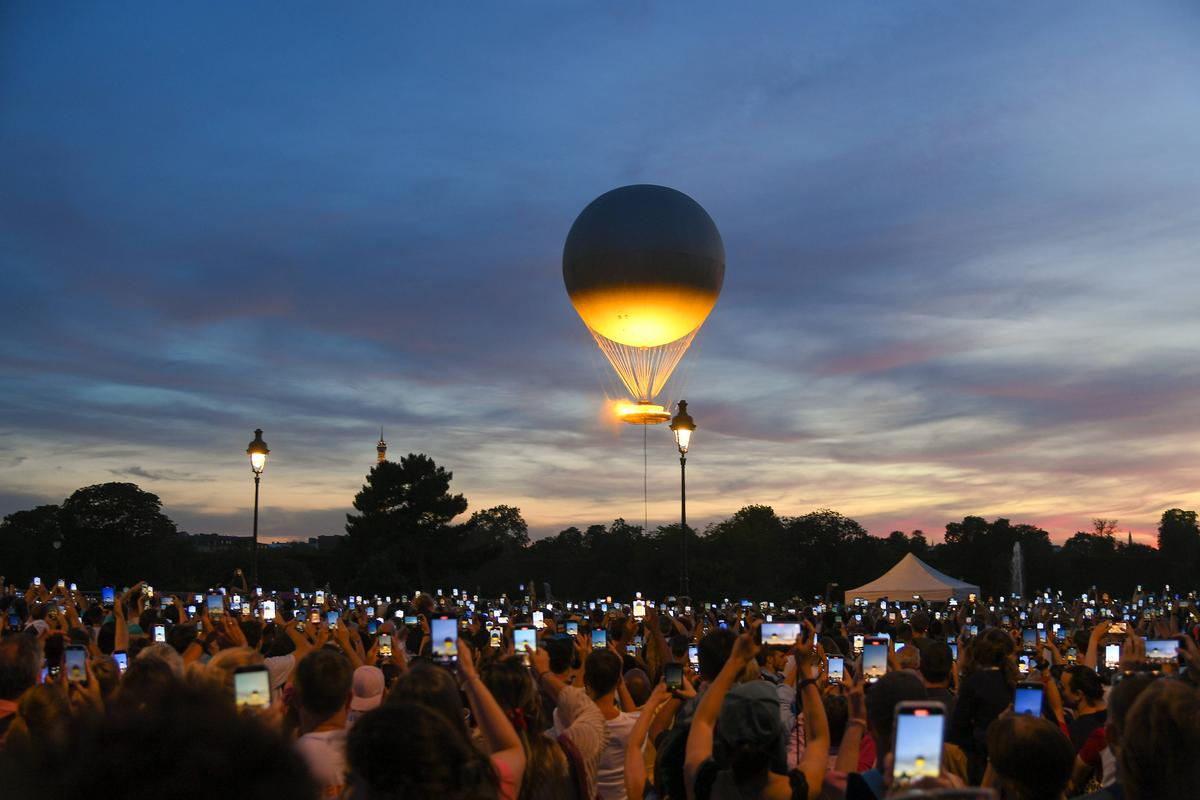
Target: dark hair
{"type": "Point", "coordinates": [882, 697]}
{"type": "Point", "coordinates": [919, 622]}
{"type": "Point", "coordinates": [1086, 682]}
{"type": "Point", "coordinates": [510, 683]}
{"type": "Point", "coordinates": [561, 650]}
{"type": "Point", "coordinates": [324, 680]}
{"type": "Point", "coordinates": [432, 685]}
{"type": "Point", "coordinates": [145, 683]}
{"type": "Point", "coordinates": [408, 750]}
{"type": "Point", "coordinates": [993, 648]}
{"type": "Point", "coordinates": [20, 660]}
{"type": "Point", "coordinates": [1032, 755]}
{"type": "Point", "coordinates": [936, 662]}
{"type": "Point", "coordinates": [228, 754]}
{"type": "Point", "coordinates": [837, 712]}
{"type": "Point", "coordinates": [602, 672]}
{"type": "Point", "coordinates": [180, 636]}
{"type": "Point", "coordinates": [713, 652]}
{"type": "Point", "coordinates": [1123, 696]}
{"type": "Point", "coordinates": [1160, 758]}
{"type": "Point", "coordinates": [252, 629]}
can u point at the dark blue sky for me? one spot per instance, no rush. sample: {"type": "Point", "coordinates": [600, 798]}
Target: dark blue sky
{"type": "Point", "coordinates": [961, 244]}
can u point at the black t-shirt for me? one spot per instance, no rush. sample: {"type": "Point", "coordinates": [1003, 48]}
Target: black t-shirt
{"type": "Point", "coordinates": [1084, 726]}
{"type": "Point", "coordinates": [709, 774]}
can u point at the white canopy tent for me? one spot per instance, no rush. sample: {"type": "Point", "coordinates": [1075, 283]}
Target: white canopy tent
{"type": "Point", "coordinates": [912, 576]}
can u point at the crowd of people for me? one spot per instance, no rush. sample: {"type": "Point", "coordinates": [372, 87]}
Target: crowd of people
{"type": "Point", "coordinates": [233, 689]}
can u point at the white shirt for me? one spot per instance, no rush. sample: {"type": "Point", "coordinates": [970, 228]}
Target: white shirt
{"type": "Point", "coordinates": [610, 776]}
{"type": "Point", "coordinates": [325, 754]}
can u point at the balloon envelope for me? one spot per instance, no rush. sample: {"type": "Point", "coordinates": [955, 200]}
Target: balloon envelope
{"type": "Point", "coordinates": [643, 265]}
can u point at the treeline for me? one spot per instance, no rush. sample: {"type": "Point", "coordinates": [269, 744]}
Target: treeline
{"type": "Point", "coordinates": [403, 537]}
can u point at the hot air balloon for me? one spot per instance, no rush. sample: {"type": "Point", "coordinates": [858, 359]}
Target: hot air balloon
{"type": "Point", "coordinates": [643, 266]}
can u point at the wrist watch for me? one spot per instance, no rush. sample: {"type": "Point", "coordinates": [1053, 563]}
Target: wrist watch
{"type": "Point", "coordinates": [806, 682]}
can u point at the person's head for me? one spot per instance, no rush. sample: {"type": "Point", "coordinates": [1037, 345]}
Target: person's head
{"type": "Point", "coordinates": [937, 661]}
{"type": "Point", "coordinates": [1031, 756]}
{"type": "Point", "coordinates": [407, 749]}
{"type": "Point", "coordinates": [432, 685]}
{"type": "Point", "coordinates": [882, 697]}
{"type": "Point", "coordinates": [904, 632]}
{"type": "Point", "coordinates": [561, 650]}
{"type": "Point", "coordinates": [221, 668]}
{"type": "Point", "coordinates": [713, 651]}
{"type": "Point", "coordinates": [42, 710]}
{"type": "Point", "coordinates": [369, 685]}
{"type": "Point", "coordinates": [146, 682]}
{"type": "Point", "coordinates": [837, 713]}
{"type": "Point", "coordinates": [749, 733]}
{"type": "Point", "coordinates": [774, 659]}
{"type": "Point", "coordinates": [323, 683]}
{"type": "Point", "coordinates": [909, 657]}
{"type": "Point", "coordinates": [165, 653]}
{"type": "Point", "coordinates": [181, 636]}
{"type": "Point", "coordinates": [1160, 746]}
{"type": "Point", "coordinates": [1120, 700]}
{"type": "Point", "coordinates": [135, 751]}
{"type": "Point", "coordinates": [994, 648]}
{"type": "Point", "coordinates": [1081, 686]}
{"type": "Point", "coordinates": [510, 683]}
{"type": "Point", "coordinates": [20, 661]}
{"type": "Point", "coordinates": [602, 673]}
{"type": "Point", "coordinates": [638, 684]}
{"type": "Point", "coordinates": [920, 623]}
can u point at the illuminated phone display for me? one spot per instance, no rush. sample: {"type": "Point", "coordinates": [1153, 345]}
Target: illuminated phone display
{"type": "Point", "coordinates": [252, 687]}
{"type": "Point", "coordinates": [443, 632]}
{"type": "Point", "coordinates": [918, 748]}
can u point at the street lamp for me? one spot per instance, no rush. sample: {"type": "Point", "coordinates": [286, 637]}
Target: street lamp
{"type": "Point", "coordinates": [683, 426]}
{"type": "Point", "coordinates": [258, 462]}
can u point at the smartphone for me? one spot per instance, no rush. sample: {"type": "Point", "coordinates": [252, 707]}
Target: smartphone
{"type": "Point", "coordinates": [1029, 638]}
{"type": "Point", "coordinates": [599, 638]}
{"type": "Point", "coordinates": [160, 633]}
{"type": "Point", "coordinates": [836, 667]}
{"type": "Point", "coordinates": [410, 619]}
{"type": "Point", "coordinates": [331, 619]}
{"type": "Point", "coordinates": [320, 600]}
{"type": "Point", "coordinates": [268, 610]}
{"type": "Point", "coordinates": [37, 581]}
{"type": "Point", "coordinates": [524, 637]}
{"type": "Point", "coordinates": [780, 634]}
{"type": "Point", "coordinates": [673, 674]}
{"type": "Point", "coordinates": [917, 747]}
{"type": "Point", "coordinates": [216, 605]}
{"type": "Point", "coordinates": [875, 659]}
{"type": "Point", "coordinates": [859, 640]}
{"type": "Point", "coordinates": [694, 655]}
{"type": "Point", "coordinates": [1160, 651]}
{"type": "Point", "coordinates": [122, 659]}
{"type": "Point", "coordinates": [385, 645]}
{"type": "Point", "coordinates": [443, 632]}
{"type": "Point", "coordinates": [1029, 698]}
{"type": "Point", "coordinates": [314, 617]}
{"type": "Point", "coordinates": [108, 597]}
{"type": "Point", "coordinates": [1112, 656]}
{"type": "Point", "coordinates": [639, 609]}
{"type": "Point", "coordinates": [954, 650]}
{"type": "Point", "coordinates": [539, 619]}
{"type": "Point", "coordinates": [1023, 663]}
{"type": "Point", "coordinates": [1118, 629]}
{"type": "Point", "coordinates": [572, 628]}
{"type": "Point", "coordinates": [252, 687]}
{"type": "Point", "coordinates": [75, 663]}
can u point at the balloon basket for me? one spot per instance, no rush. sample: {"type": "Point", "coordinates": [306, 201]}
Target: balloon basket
{"type": "Point", "coordinates": [642, 413]}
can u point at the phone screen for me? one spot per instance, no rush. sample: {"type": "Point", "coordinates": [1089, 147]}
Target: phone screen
{"type": "Point", "coordinates": [160, 633]}
{"type": "Point", "coordinates": [780, 634]}
{"type": "Point", "coordinates": [331, 619]}
{"type": "Point", "coordinates": [639, 609]}
{"type": "Point", "coordinates": [539, 619]}
{"type": "Point", "coordinates": [443, 631]}
{"type": "Point", "coordinates": [268, 609]}
{"type": "Point", "coordinates": [75, 662]}
{"type": "Point", "coordinates": [874, 660]}
{"type": "Point", "coordinates": [1160, 650]}
{"type": "Point", "coordinates": [216, 605]}
{"type": "Point", "coordinates": [107, 596]}
{"type": "Point", "coordinates": [694, 655]}
{"type": "Point", "coordinates": [859, 639]}
{"type": "Point", "coordinates": [599, 638]}
{"type": "Point", "coordinates": [1029, 638]}
{"type": "Point", "coordinates": [1028, 699]}
{"type": "Point", "coordinates": [252, 687]}
{"type": "Point", "coordinates": [522, 638]}
{"type": "Point", "coordinates": [954, 650]}
{"type": "Point", "coordinates": [122, 659]}
{"type": "Point", "coordinates": [836, 669]}
{"type": "Point", "coordinates": [918, 750]}
{"type": "Point", "coordinates": [572, 628]}
{"type": "Point", "coordinates": [385, 645]}
{"type": "Point", "coordinates": [410, 619]}
{"type": "Point", "coordinates": [1112, 655]}
{"type": "Point", "coordinates": [674, 676]}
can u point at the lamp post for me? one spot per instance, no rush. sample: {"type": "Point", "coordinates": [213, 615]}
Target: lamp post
{"type": "Point", "coordinates": [683, 426]}
{"type": "Point", "coordinates": [258, 462]}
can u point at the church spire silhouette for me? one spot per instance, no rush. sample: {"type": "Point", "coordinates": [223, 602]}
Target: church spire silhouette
{"type": "Point", "coordinates": [381, 448]}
